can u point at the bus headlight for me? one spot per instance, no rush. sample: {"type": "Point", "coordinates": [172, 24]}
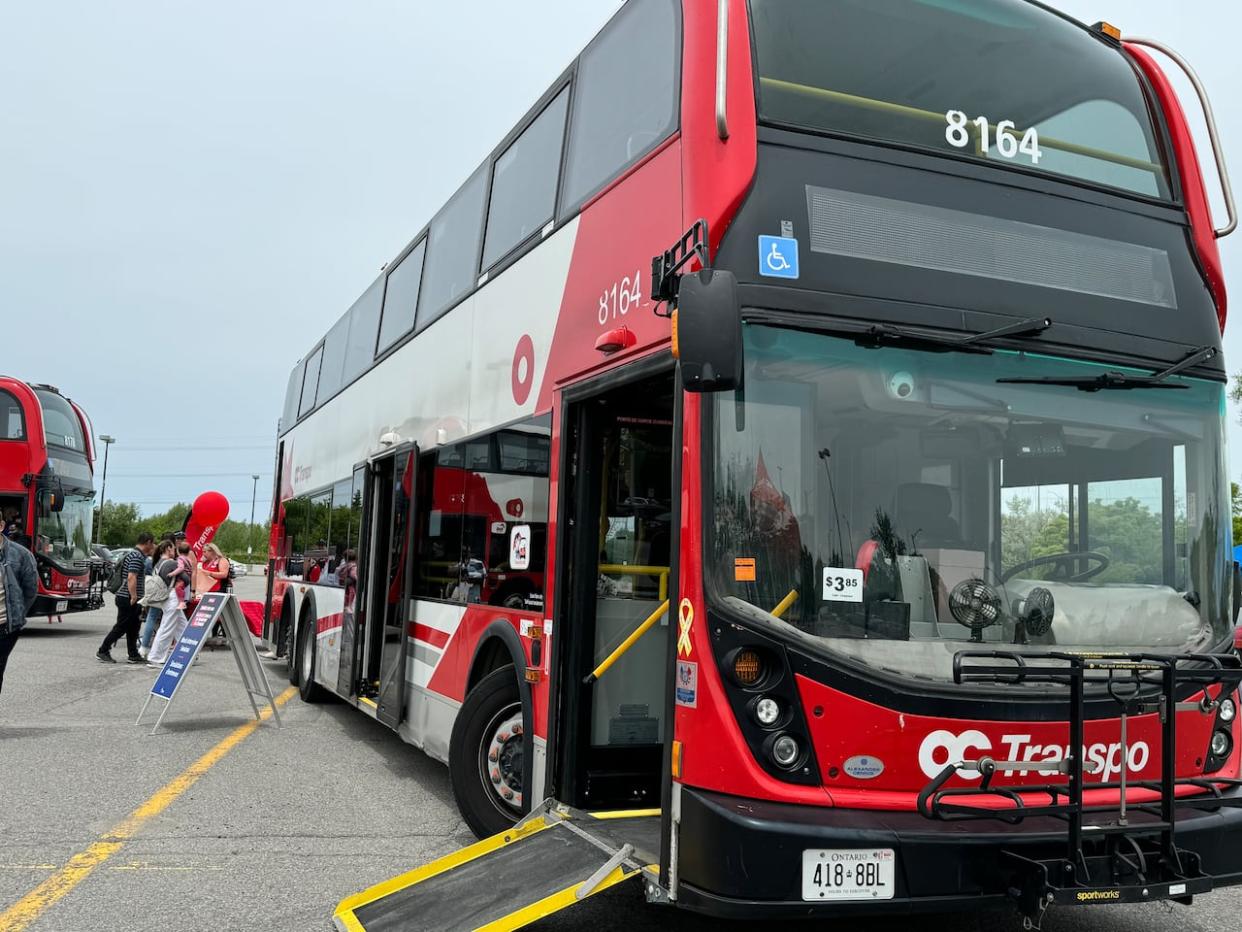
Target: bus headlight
{"type": "Point", "coordinates": [785, 752]}
{"type": "Point", "coordinates": [1221, 744]}
{"type": "Point", "coordinates": [767, 711]}
{"type": "Point", "coordinates": [1227, 710]}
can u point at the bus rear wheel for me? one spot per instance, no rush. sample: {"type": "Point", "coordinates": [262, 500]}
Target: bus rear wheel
{"type": "Point", "coordinates": [487, 756]}
{"type": "Point", "coordinates": [309, 690]}
{"type": "Point", "coordinates": [287, 648]}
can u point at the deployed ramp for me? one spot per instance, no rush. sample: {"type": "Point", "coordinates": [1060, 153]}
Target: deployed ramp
{"type": "Point", "coordinates": [554, 858]}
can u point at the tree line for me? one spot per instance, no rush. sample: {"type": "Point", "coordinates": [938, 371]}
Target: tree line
{"type": "Point", "coordinates": [122, 523]}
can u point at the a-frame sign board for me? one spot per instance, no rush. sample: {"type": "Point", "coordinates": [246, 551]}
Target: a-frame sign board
{"type": "Point", "coordinates": [213, 607]}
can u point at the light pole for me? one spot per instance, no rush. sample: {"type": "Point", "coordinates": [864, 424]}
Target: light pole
{"type": "Point", "coordinates": [254, 490]}
{"type": "Point", "coordinates": [103, 488]}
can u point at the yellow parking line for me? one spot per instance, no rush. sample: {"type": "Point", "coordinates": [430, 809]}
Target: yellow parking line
{"type": "Point", "coordinates": [31, 906]}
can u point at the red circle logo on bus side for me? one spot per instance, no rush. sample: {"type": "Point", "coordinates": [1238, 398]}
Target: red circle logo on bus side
{"type": "Point", "coordinates": [523, 375]}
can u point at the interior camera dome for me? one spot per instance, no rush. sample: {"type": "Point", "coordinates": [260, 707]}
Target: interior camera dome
{"type": "Point", "coordinates": [901, 385]}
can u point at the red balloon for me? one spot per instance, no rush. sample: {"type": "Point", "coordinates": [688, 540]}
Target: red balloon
{"type": "Point", "coordinates": [210, 508]}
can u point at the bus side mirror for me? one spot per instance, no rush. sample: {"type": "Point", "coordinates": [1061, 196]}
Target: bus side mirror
{"type": "Point", "coordinates": [708, 337]}
{"type": "Point", "coordinates": [51, 502]}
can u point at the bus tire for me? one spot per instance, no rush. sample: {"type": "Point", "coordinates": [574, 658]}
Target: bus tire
{"type": "Point", "coordinates": [309, 690]}
{"type": "Point", "coordinates": [485, 754]}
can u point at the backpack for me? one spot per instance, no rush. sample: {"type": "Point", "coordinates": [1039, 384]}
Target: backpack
{"type": "Point", "coordinates": [117, 579]}
{"type": "Point", "coordinates": [154, 591]}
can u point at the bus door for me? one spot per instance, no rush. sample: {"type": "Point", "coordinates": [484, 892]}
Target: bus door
{"type": "Point", "coordinates": [616, 566]}
{"type": "Point", "coordinates": [384, 578]}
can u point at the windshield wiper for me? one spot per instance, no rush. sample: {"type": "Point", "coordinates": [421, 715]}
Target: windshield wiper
{"type": "Point", "coordinates": [1119, 381]}
{"type": "Point", "coordinates": [879, 335]}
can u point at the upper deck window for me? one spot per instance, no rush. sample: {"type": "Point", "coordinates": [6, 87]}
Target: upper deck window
{"type": "Point", "coordinates": [331, 370]}
{"type": "Point", "coordinates": [401, 297]}
{"type": "Point", "coordinates": [292, 393]}
{"type": "Point", "coordinates": [524, 183]}
{"type": "Point", "coordinates": [625, 97]}
{"type": "Point", "coordinates": [310, 382]}
{"type": "Point", "coordinates": [60, 422]}
{"type": "Point", "coordinates": [12, 424]}
{"type": "Point", "coordinates": [1002, 81]}
{"type": "Point", "coordinates": [453, 250]}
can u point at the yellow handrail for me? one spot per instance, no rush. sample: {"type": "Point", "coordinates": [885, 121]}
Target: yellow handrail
{"type": "Point", "coordinates": [783, 606]}
{"type": "Point", "coordinates": [626, 644]}
{"type": "Point", "coordinates": [625, 569]}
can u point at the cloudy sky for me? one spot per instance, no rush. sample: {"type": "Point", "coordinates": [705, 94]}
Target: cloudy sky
{"type": "Point", "coordinates": [191, 194]}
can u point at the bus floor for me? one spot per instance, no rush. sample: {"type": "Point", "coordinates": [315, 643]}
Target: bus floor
{"type": "Point", "coordinates": [291, 820]}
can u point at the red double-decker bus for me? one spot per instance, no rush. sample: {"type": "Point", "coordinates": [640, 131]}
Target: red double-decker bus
{"type": "Point", "coordinates": [47, 494]}
{"type": "Point", "coordinates": [860, 365]}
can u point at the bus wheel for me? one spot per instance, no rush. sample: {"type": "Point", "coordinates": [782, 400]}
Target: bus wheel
{"type": "Point", "coordinates": [486, 754]}
{"type": "Point", "coordinates": [307, 687]}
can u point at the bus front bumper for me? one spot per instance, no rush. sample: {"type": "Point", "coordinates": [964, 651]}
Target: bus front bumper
{"type": "Point", "coordinates": [45, 605]}
{"type": "Point", "coordinates": [742, 858]}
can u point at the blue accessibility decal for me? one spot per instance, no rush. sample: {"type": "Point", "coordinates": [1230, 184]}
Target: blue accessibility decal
{"type": "Point", "coordinates": [778, 257]}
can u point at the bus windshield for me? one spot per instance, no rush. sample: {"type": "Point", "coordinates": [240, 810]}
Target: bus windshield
{"type": "Point", "coordinates": [913, 506]}
{"type": "Point", "coordinates": [64, 536]}
{"type": "Point", "coordinates": [60, 422]}
{"type": "Point", "coordinates": [998, 80]}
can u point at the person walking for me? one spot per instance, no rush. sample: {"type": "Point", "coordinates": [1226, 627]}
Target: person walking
{"type": "Point", "coordinates": [165, 551]}
{"type": "Point", "coordinates": [19, 584]}
{"type": "Point", "coordinates": [127, 597]}
{"type": "Point", "coordinates": [176, 573]}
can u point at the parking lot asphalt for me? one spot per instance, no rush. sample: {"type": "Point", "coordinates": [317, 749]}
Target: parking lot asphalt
{"type": "Point", "coordinates": [284, 824]}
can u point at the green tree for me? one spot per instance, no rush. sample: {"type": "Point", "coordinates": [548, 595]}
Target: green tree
{"type": "Point", "coordinates": [119, 525]}
{"type": "Point", "coordinates": [1126, 531]}
{"type": "Point", "coordinates": [1235, 494]}
{"type": "Point", "coordinates": [122, 525]}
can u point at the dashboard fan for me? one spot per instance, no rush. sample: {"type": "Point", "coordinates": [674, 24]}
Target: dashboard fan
{"type": "Point", "coordinates": [975, 605]}
{"type": "Point", "coordinates": [1036, 611]}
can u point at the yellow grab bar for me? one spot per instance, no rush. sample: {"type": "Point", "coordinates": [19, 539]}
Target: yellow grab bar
{"type": "Point", "coordinates": [626, 644]}
{"type": "Point", "coordinates": [783, 606]}
{"type": "Point", "coordinates": [623, 569]}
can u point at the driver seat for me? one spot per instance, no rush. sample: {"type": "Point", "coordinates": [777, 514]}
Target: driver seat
{"type": "Point", "coordinates": [924, 516]}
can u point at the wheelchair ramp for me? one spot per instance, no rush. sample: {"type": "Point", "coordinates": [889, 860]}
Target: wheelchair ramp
{"type": "Point", "coordinates": [553, 859]}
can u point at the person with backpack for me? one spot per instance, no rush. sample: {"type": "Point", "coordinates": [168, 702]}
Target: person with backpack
{"type": "Point", "coordinates": [155, 595]}
{"type": "Point", "coordinates": [175, 575]}
{"type": "Point", "coordinates": [128, 589]}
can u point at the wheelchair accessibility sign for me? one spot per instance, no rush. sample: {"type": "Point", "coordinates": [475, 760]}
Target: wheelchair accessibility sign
{"type": "Point", "coordinates": [778, 257]}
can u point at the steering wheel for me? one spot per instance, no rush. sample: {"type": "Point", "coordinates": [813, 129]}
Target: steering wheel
{"type": "Point", "coordinates": [1063, 562]}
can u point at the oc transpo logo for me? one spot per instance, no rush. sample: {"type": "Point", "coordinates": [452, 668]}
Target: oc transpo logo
{"type": "Point", "coordinates": [1103, 761]}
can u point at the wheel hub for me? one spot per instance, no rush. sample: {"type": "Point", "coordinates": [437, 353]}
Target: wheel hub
{"type": "Point", "coordinates": [503, 758]}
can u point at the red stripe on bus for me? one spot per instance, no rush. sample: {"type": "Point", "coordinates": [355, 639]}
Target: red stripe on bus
{"type": "Point", "coordinates": [433, 636]}
{"type": "Point", "coordinates": [328, 623]}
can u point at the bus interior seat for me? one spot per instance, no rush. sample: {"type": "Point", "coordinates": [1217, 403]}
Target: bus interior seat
{"type": "Point", "coordinates": [924, 511]}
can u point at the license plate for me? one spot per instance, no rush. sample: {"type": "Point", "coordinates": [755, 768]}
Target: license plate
{"type": "Point", "coordinates": [62, 606]}
{"type": "Point", "coordinates": [848, 873]}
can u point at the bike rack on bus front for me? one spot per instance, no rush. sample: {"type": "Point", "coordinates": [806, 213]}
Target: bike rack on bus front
{"type": "Point", "coordinates": [1126, 859]}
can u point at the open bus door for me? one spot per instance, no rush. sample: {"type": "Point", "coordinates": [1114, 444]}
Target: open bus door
{"type": "Point", "coordinates": [613, 720]}
{"type": "Point", "coordinates": [374, 665]}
